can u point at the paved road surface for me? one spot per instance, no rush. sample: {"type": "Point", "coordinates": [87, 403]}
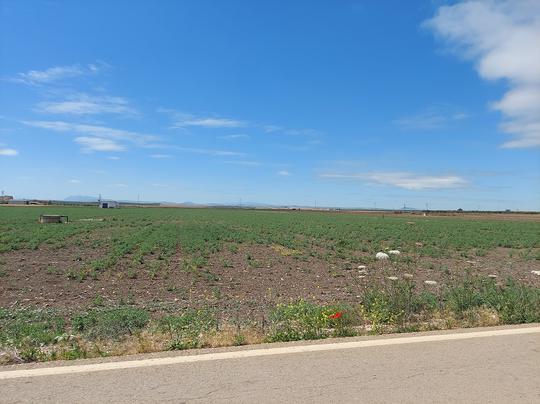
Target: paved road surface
{"type": "Point", "coordinates": [482, 365]}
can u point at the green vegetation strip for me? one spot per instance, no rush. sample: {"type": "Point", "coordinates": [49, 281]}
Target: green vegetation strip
{"type": "Point", "coordinates": [137, 233]}
{"type": "Point", "coordinates": [37, 335]}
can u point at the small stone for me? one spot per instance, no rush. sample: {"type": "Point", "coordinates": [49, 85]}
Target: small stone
{"type": "Point", "coordinates": [394, 252]}
{"type": "Point", "coordinates": [408, 276]}
{"type": "Point", "coordinates": [430, 282]}
{"type": "Point", "coordinates": [362, 267]}
{"type": "Point", "coordinates": [419, 244]}
{"type": "Point", "coordinates": [362, 272]}
{"type": "Point", "coordinates": [493, 276]}
{"type": "Point", "coordinates": [393, 278]}
{"type": "Point", "coordinates": [382, 256]}
{"type": "Point", "coordinates": [471, 262]}
{"type": "Point", "coordinates": [535, 273]}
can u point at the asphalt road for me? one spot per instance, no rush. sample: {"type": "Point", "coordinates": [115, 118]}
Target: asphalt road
{"type": "Point", "coordinates": [499, 365]}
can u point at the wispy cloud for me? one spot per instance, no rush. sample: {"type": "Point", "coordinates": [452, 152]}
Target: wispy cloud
{"type": "Point", "coordinates": [91, 144]}
{"type": "Point", "coordinates": [501, 37]}
{"type": "Point", "coordinates": [210, 123]}
{"type": "Point", "coordinates": [160, 156]}
{"type": "Point", "coordinates": [243, 162]}
{"type": "Point", "coordinates": [160, 185]}
{"type": "Point", "coordinates": [234, 137]}
{"type": "Point", "coordinates": [84, 104]}
{"type": "Point", "coordinates": [8, 152]}
{"type": "Point", "coordinates": [306, 132]}
{"type": "Point", "coordinates": [113, 158]}
{"type": "Point", "coordinates": [97, 138]}
{"type": "Point", "coordinates": [74, 181]}
{"type": "Point", "coordinates": [403, 180]}
{"type": "Point", "coordinates": [284, 173]}
{"type": "Point", "coordinates": [432, 118]}
{"type": "Point", "coordinates": [182, 120]}
{"type": "Point", "coordinates": [56, 73]}
{"type": "Point", "coordinates": [211, 152]}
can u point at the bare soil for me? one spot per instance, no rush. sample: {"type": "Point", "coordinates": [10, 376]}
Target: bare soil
{"type": "Point", "coordinates": [243, 283]}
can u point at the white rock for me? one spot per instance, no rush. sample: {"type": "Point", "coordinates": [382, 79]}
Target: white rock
{"type": "Point", "coordinates": [493, 276]}
{"type": "Point", "coordinates": [408, 276]}
{"type": "Point", "coordinates": [362, 272]}
{"type": "Point", "coordinates": [362, 267]}
{"type": "Point", "coordinates": [430, 282]}
{"type": "Point", "coordinates": [394, 252]}
{"type": "Point", "coordinates": [393, 278]}
{"type": "Point", "coordinates": [382, 256]}
{"type": "Point", "coordinates": [535, 273]}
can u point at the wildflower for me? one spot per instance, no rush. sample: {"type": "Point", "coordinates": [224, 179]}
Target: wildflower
{"type": "Point", "coordinates": [336, 315]}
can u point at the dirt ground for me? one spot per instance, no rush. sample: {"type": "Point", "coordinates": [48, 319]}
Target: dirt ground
{"type": "Point", "coordinates": [232, 284]}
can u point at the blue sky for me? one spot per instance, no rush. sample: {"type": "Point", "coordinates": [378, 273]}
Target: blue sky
{"type": "Point", "coordinates": [339, 103]}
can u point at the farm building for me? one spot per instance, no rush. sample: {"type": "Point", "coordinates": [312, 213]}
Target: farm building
{"type": "Point", "coordinates": [5, 198]}
{"type": "Point", "coordinates": [108, 204]}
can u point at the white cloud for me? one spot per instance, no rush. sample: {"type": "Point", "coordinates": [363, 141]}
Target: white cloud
{"type": "Point", "coordinates": [97, 138]}
{"type": "Point", "coordinates": [211, 123]}
{"type": "Point", "coordinates": [284, 173]}
{"type": "Point", "coordinates": [243, 162]}
{"type": "Point", "coordinates": [113, 158]}
{"type": "Point", "coordinates": [159, 185]}
{"type": "Point", "coordinates": [8, 152]}
{"type": "Point", "coordinates": [84, 104]}
{"type": "Point", "coordinates": [74, 181]}
{"type": "Point", "coordinates": [90, 144]}
{"type": "Point", "coordinates": [435, 117]}
{"type": "Point", "coordinates": [160, 156]}
{"type": "Point", "coordinates": [272, 128]}
{"type": "Point", "coordinates": [404, 180]}
{"type": "Point", "coordinates": [56, 73]}
{"type": "Point", "coordinates": [210, 152]}
{"type": "Point", "coordinates": [234, 137]}
{"type": "Point", "coordinates": [183, 120]}
{"type": "Point", "coordinates": [501, 37]}
{"type": "Point", "coordinates": [119, 185]}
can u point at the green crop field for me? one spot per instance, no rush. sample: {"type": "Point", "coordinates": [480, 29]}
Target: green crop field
{"type": "Point", "coordinates": [203, 231]}
{"type": "Point", "coordinates": [266, 275]}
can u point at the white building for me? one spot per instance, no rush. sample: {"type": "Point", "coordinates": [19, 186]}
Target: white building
{"type": "Point", "coordinates": [108, 204]}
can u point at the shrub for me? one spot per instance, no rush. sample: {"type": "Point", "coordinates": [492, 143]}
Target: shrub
{"type": "Point", "coordinates": [111, 323]}
{"type": "Point", "coordinates": [466, 296]}
{"type": "Point", "coordinates": [516, 303]}
{"type": "Point", "coordinates": [303, 320]}
{"type": "Point", "coordinates": [187, 329]}
{"type": "Point", "coordinates": [28, 330]}
{"type": "Point", "coordinates": [396, 303]}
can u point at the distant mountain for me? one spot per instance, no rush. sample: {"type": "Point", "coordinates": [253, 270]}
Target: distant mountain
{"type": "Point", "coordinates": [81, 198]}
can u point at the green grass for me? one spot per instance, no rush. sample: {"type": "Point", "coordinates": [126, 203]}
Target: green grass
{"type": "Point", "coordinates": [27, 330]}
{"type": "Point", "coordinates": [185, 329]}
{"type": "Point", "coordinates": [110, 323]}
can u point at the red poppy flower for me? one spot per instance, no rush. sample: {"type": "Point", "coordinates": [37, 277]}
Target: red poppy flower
{"type": "Point", "coordinates": [339, 314]}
